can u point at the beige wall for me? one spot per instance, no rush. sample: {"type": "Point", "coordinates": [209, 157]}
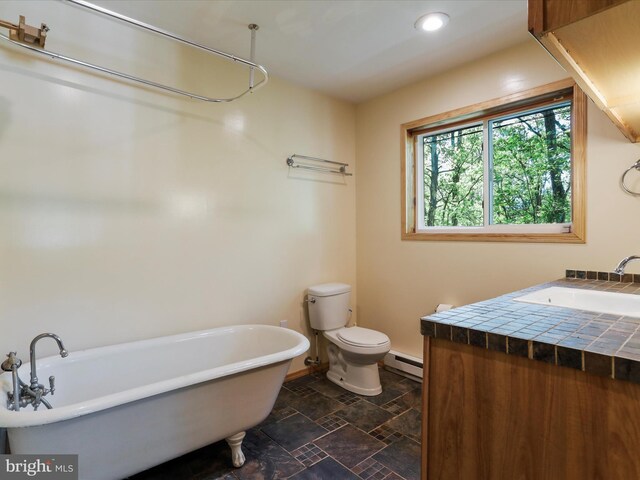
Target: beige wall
{"type": "Point", "coordinates": [400, 281]}
{"type": "Point", "coordinates": [127, 213]}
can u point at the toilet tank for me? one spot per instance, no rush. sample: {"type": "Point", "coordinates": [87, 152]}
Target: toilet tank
{"type": "Point", "coordinates": [329, 305]}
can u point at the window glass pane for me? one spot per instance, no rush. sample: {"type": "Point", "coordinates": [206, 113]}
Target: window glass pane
{"type": "Point", "coordinates": [453, 178]}
{"type": "Point", "coordinates": [531, 163]}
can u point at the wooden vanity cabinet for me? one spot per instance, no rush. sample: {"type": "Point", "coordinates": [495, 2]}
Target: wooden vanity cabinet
{"type": "Point", "coordinates": [489, 415]}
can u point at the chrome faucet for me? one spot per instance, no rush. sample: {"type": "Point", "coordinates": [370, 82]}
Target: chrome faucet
{"type": "Point", "coordinates": [34, 393]}
{"type": "Point", "coordinates": [623, 263]}
{"type": "Point", "coordinates": [32, 358]}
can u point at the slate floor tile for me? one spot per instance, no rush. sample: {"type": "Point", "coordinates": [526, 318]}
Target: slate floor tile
{"type": "Point", "coordinates": [277, 415]}
{"type": "Point", "coordinates": [309, 454]}
{"type": "Point", "coordinates": [331, 422]}
{"type": "Point", "coordinates": [349, 445]}
{"type": "Point", "coordinates": [385, 434]}
{"type": "Point", "coordinates": [407, 423]}
{"type": "Point", "coordinates": [316, 406]}
{"type": "Point", "coordinates": [371, 470]}
{"type": "Point", "coordinates": [347, 437]}
{"type": "Point", "coordinates": [302, 381]}
{"type": "Point", "coordinates": [294, 431]}
{"type": "Point", "coordinates": [301, 386]}
{"type": "Point", "coordinates": [215, 476]}
{"type": "Point", "coordinates": [348, 398]}
{"type": "Point", "coordinates": [166, 471]}
{"type": "Point", "coordinates": [265, 459]}
{"type": "Point", "coordinates": [389, 393]}
{"type": "Point", "coordinates": [402, 457]}
{"type": "Point", "coordinates": [393, 476]}
{"type": "Point", "coordinates": [364, 415]}
{"type": "Point", "coordinates": [388, 378]}
{"type": "Point", "coordinates": [395, 407]}
{"type": "Point", "coordinates": [211, 462]}
{"type": "Point", "coordinates": [285, 397]}
{"type": "Point", "coordinates": [200, 463]}
{"type": "Point", "coordinates": [412, 399]}
{"type": "Point", "coordinates": [327, 469]}
{"type": "Point", "coordinates": [327, 387]}
{"type": "Point", "coordinates": [303, 391]}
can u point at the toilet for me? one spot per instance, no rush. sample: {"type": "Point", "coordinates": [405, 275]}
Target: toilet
{"type": "Point", "coordinates": [353, 352]}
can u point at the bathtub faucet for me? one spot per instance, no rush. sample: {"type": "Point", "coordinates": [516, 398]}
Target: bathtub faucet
{"type": "Point", "coordinates": [36, 390]}
{"type": "Point", "coordinates": [32, 357]}
{"type": "Point", "coordinates": [33, 393]}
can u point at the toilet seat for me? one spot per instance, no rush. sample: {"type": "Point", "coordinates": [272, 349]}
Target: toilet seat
{"type": "Point", "coordinates": [361, 348]}
{"type": "Point", "coordinates": [362, 337]}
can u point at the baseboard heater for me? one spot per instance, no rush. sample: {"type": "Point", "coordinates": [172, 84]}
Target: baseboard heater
{"type": "Point", "coordinates": [404, 364]}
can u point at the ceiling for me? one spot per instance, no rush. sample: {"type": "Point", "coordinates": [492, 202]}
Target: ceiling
{"type": "Point", "coordinates": [350, 49]}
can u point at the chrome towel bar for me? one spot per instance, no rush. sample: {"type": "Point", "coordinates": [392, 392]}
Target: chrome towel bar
{"type": "Point", "coordinates": [38, 48]}
{"type": "Point", "coordinates": [340, 169]}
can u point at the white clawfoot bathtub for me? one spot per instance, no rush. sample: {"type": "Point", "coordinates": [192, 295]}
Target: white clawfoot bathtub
{"type": "Point", "coordinates": [128, 407]}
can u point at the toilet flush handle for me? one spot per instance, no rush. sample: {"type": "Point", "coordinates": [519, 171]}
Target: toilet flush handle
{"type": "Point", "coordinates": [310, 300]}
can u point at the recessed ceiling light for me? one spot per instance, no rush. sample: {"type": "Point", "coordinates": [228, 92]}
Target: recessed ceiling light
{"type": "Point", "coordinates": [432, 21]}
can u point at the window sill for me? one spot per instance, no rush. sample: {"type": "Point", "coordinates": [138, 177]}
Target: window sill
{"type": "Point", "coordinates": [571, 237]}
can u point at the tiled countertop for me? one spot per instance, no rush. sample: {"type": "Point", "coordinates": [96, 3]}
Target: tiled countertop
{"type": "Point", "coordinates": [598, 343]}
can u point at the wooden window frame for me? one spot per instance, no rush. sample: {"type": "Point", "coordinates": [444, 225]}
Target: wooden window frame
{"type": "Point", "coordinates": [502, 105]}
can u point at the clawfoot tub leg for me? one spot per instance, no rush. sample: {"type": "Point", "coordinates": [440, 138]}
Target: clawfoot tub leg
{"type": "Point", "coordinates": [235, 442]}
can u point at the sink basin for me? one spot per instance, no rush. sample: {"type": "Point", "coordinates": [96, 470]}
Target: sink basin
{"type": "Point", "coordinates": [592, 300]}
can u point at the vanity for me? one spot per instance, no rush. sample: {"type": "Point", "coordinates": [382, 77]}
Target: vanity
{"type": "Point", "coordinates": [519, 390]}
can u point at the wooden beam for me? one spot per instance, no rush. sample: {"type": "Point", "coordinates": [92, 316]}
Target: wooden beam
{"type": "Point", "coordinates": [549, 15]}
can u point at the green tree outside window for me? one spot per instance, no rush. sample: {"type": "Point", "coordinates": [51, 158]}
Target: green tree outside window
{"type": "Point", "coordinates": [528, 163]}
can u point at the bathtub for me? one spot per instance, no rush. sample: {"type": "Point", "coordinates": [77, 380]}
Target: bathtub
{"type": "Point", "coordinates": [125, 408]}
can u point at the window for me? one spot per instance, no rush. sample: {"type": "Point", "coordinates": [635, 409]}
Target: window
{"type": "Point", "coordinates": [508, 170]}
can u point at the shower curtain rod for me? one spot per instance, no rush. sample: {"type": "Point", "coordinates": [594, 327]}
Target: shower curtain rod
{"type": "Point", "coordinates": [13, 38]}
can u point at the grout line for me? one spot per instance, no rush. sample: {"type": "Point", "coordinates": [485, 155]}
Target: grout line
{"type": "Point", "coordinates": [383, 445]}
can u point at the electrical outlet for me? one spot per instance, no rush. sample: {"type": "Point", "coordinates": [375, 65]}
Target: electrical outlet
{"type": "Point", "coordinates": [283, 323]}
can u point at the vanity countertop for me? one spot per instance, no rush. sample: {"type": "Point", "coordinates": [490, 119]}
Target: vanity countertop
{"type": "Point", "coordinates": [598, 343]}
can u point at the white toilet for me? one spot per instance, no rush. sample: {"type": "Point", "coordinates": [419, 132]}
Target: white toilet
{"type": "Point", "coordinates": [353, 352]}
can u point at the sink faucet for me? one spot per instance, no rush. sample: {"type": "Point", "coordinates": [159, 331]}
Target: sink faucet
{"type": "Point", "coordinates": [33, 393]}
{"type": "Point", "coordinates": [623, 263]}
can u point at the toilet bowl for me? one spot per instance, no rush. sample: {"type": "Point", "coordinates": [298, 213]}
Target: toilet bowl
{"type": "Point", "coordinates": [353, 352]}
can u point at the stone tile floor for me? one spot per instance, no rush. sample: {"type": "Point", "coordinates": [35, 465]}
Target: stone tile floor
{"type": "Point", "coordinates": [318, 430]}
